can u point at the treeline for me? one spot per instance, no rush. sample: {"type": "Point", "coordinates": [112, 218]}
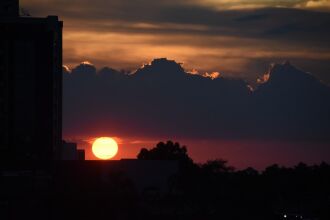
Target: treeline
{"type": "Point", "coordinates": [216, 190]}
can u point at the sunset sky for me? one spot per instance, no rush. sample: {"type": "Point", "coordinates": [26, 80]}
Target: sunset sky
{"type": "Point", "coordinates": [236, 38]}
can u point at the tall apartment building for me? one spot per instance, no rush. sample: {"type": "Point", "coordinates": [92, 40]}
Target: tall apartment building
{"type": "Point", "coordinates": [30, 85]}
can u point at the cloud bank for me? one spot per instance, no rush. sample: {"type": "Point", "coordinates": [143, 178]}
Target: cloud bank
{"type": "Point", "coordinates": [161, 99]}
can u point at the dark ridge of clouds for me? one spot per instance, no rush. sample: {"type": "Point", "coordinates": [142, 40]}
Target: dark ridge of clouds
{"type": "Point", "coordinates": [85, 69]}
{"type": "Point", "coordinates": [293, 101]}
{"type": "Point", "coordinates": [162, 100]}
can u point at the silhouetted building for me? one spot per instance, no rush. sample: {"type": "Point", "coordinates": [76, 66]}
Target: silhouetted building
{"type": "Point", "coordinates": [30, 85]}
{"type": "Point", "coordinates": [146, 175]}
{"type": "Point", "coordinates": [81, 154]}
{"type": "Point", "coordinates": [69, 151]}
{"type": "Point", "coordinates": [9, 8]}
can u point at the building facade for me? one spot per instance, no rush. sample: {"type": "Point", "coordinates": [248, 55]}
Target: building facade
{"type": "Point", "coordinates": [30, 85]}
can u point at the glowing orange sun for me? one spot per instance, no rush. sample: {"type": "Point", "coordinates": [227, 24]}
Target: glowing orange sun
{"type": "Point", "coordinates": [105, 148]}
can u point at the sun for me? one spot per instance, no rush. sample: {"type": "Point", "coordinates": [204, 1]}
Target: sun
{"type": "Point", "coordinates": [105, 148]}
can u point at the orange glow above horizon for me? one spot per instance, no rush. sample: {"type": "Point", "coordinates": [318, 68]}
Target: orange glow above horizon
{"type": "Point", "coordinates": [105, 148]}
{"type": "Point", "coordinates": [234, 53]}
{"type": "Point", "coordinates": [115, 39]}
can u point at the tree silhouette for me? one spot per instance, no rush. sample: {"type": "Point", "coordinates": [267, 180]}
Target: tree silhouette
{"type": "Point", "coordinates": [166, 151]}
{"type": "Point", "coordinates": [217, 166]}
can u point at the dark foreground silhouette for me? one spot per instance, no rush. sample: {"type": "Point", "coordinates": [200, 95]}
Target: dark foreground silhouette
{"type": "Point", "coordinates": [213, 190]}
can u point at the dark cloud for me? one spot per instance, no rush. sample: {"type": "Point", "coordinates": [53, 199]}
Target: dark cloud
{"type": "Point", "coordinates": [294, 103]}
{"type": "Point", "coordinates": [162, 100]}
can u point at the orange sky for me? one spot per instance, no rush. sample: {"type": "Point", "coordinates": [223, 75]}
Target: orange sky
{"type": "Point", "coordinates": [231, 54]}
{"type": "Point", "coordinates": [207, 35]}
{"type": "Point", "coordinates": [240, 154]}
